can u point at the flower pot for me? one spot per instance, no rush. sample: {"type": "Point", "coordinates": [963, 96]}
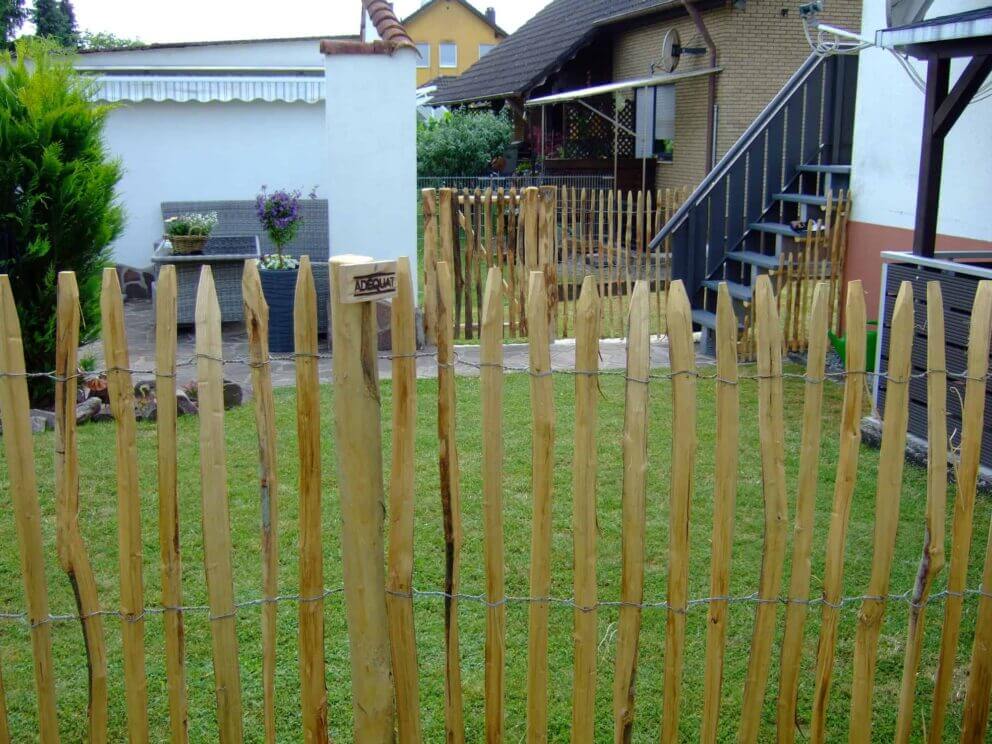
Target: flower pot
{"type": "Point", "coordinates": [184, 245]}
{"type": "Point", "coordinates": [279, 288]}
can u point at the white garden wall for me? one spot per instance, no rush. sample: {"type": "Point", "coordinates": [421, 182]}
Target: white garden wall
{"type": "Point", "coordinates": [205, 151]}
{"type": "Point", "coordinates": [372, 154]}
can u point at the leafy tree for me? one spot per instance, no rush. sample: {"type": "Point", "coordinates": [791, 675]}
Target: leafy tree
{"type": "Point", "coordinates": [58, 205]}
{"type": "Point", "coordinates": [55, 20]}
{"type": "Point", "coordinates": [93, 40]}
{"type": "Point", "coordinates": [12, 15]}
{"type": "Point", "coordinates": [461, 143]}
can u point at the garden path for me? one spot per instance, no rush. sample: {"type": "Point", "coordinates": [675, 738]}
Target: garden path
{"type": "Point", "coordinates": [140, 323]}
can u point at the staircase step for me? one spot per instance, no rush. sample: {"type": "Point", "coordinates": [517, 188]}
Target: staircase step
{"type": "Point", "coordinates": [754, 259]}
{"type": "Point", "coordinates": [708, 320]}
{"type": "Point", "coordinates": [776, 228]}
{"type": "Point", "coordinates": [704, 318]}
{"type": "Point", "coordinates": [811, 199]}
{"type": "Point", "coordinates": [737, 291]}
{"type": "Point", "coordinates": [841, 170]}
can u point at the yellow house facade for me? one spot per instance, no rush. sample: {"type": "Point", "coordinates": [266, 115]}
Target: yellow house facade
{"type": "Point", "coordinates": [451, 36]}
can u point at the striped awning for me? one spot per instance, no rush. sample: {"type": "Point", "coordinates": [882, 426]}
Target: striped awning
{"type": "Point", "coordinates": [205, 89]}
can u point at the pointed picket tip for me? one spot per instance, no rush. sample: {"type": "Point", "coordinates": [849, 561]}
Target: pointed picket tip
{"type": "Point", "coordinates": [10, 326]}
{"type": "Point", "coordinates": [492, 299]}
{"type": "Point", "coordinates": [207, 306]}
{"type": "Point", "coordinates": [536, 297]}
{"type": "Point", "coordinates": [304, 282]}
{"type": "Point", "coordinates": [678, 300]}
{"type": "Point", "coordinates": [588, 304]}
{"type": "Point", "coordinates": [110, 289]}
{"type": "Point", "coordinates": [637, 312]}
{"type": "Point", "coordinates": [726, 317]}
{"type": "Point", "coordinates": [404, 280]}
{"type": "Point", "coordinates": [764, 295]}
{"type": "Point", "coordinates": [166, 281]}
{"type": "Point", "coordinates": [68, 290]}
{"type": "Point", "coordinates": [251, 290]}
{"type": "Point", "coordinates": [902, 313]}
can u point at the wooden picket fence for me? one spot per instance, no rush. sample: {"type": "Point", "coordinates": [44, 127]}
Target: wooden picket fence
{"type": "Point", "coordinates": [568, 233]}
{"type": "Point", "coordinates": [378, 584]}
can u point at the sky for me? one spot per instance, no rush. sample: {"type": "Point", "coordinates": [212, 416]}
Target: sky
{"type": "Point", "coordinates": [210, 20]}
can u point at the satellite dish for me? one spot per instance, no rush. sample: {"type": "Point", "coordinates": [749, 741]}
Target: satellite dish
{"type": "Point", "coordinates": [671, 50]}
{"type": "Point", "coordinates": [904, 12]}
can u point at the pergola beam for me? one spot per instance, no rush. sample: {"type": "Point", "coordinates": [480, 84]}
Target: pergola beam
{"type": "Point", "coordinates": [961, 94]}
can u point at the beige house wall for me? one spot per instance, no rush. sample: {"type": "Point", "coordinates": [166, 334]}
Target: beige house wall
{"type": "Point", "coordinates": [758, 48]}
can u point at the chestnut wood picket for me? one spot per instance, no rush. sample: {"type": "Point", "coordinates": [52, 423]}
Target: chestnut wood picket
{"type": "Point", "coordinates": [379, 583]}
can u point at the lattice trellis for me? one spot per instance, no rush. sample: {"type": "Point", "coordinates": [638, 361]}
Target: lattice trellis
{"type": "Point", "coordinates": [588, 135]}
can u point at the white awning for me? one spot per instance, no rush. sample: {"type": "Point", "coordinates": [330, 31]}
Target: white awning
{"type": "Point", "coordinates": [668, 78]}
{"type": "Point", "coordinates": [204, 89]}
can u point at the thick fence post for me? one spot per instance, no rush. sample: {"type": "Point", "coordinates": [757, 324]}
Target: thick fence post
{"type": "Point", "coordinates": [19, 448]}
{"type": "Point", "coordinates": [399, 600]}
{"type": "Point", "coordinates": [121, 391]}
{"type": "Point", "coordinates": [358, 440]}
{"type": "Point", "coordinates": [216, 514]}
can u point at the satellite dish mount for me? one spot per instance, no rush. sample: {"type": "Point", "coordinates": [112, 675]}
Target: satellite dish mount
{"type": "Point", "coordinates": [672, 51]}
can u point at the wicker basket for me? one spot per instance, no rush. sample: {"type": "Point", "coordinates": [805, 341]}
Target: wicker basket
{"type": "Point", "coordinates": [184, 245]}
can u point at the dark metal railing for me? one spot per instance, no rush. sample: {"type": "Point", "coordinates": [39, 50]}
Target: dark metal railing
{"type": "Point", "coordinates": [798, 126]}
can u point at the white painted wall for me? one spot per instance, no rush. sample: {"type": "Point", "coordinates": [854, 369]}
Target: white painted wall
{"type": "Point", "coordinates": [371, 184]}
{"type": "Point", "coordinates": [186, 151]}
{"type": "Point", "coordinates": [886, 157]}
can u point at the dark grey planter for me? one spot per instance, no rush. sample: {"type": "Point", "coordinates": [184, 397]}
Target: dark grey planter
{"type": "Point", "coordinates": [279, 288]}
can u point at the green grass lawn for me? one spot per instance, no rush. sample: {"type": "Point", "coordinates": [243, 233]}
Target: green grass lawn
{"type": "Point", "coordinates": [98, 500]}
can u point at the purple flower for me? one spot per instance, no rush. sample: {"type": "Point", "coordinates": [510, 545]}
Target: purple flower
{"type": "Point", "coordinates": [279, 215]}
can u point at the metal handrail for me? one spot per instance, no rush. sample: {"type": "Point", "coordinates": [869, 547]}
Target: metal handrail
{"type": "Point", "coordinates": [755, 129]}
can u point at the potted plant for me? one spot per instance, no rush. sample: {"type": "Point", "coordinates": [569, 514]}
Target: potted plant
{"type": "Point", "coordinates": [188, 232]}
{"type": "Point", "coordinates": [279, 214]}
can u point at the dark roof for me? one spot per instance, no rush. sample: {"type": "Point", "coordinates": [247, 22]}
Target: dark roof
{"type": "Point", "coordinates": [482, 16]}
{"type": "Point", "coordinates": [539, 47]}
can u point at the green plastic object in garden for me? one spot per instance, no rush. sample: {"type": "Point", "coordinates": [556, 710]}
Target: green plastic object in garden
{"type": "Point", "coordinates": [871, 344]}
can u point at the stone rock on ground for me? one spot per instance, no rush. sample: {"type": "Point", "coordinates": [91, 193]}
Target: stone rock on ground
{"type": "Point", "coordinates": [42, 420]}
{"type": "Point", "coordinates": [104, 414]}
{"type": "Point", "coordinates": [136, 284]}
{"type": "Point", "coordinates": [86, 410]}
{"type": "Point", "coordinates": [185, 405]}
{"type": "Point", "coordinates": [233, 395]}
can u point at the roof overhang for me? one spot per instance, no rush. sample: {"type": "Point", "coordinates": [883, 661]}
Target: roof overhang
{"type": "Point", "coordinates": [965, 31]}
{"type": "Point", "coordinates": [668, 78]}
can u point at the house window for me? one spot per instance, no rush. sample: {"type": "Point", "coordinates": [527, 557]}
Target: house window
{"type": "Point", "coordinates": [484, 49]}
{"type": "Point", "coordinates": [448, 54]}
{"type": "Point", "coordinates": [655, 122]}
{"type": "Point", "coordinates": [425, 55]}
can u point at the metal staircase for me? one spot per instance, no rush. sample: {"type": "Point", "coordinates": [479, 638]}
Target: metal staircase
{"type": "Point", "coordinates": [738, 222]}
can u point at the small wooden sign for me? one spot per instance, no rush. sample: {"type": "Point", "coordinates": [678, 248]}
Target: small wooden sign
{"type": "Point", "coordinates": [365, 282]}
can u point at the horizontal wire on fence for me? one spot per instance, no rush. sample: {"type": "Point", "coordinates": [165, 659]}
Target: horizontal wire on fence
{"type": "Point", "coordinates": [567, 602]}
{"type": "Point", "coordinates": [458, 361]}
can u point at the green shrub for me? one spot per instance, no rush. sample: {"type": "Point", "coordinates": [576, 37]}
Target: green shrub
{"type": "Point", "coordinates": [58, 207]}
{"type": "Point", "coordinates": [461, 143]}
